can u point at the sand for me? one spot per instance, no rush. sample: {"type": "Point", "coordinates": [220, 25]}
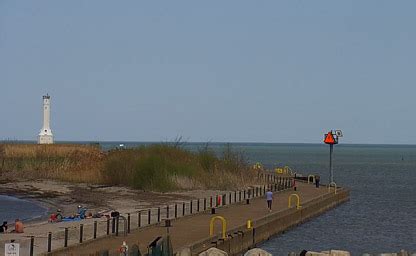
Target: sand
{"type": "Point", "coordinates": [55, 195]}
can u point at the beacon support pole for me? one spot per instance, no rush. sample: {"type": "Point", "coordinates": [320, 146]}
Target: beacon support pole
{"type": "Point", "coordinates": [331, 174]}
{"type": "Point", "coordinates": [331, 138]}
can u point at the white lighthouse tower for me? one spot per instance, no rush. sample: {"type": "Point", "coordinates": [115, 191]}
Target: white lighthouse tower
{"type": "Point", "coordinates": [45, 135]}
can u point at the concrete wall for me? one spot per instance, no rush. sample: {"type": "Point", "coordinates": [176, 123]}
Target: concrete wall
{"type": "Point", "coordinates": [242, 239]}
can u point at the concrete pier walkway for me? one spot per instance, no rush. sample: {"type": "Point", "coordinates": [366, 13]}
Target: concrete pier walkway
{"type": "Point", "coordinates": [189, 230]}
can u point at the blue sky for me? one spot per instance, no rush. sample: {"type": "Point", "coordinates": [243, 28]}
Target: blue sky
{"type": "Point", "coordinates": [231, 71]}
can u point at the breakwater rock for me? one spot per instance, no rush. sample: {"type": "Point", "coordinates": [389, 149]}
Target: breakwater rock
{"type": "Point", "coordinates": [257, 252]}
{"type": "Point", "coordinates": [346, 253]}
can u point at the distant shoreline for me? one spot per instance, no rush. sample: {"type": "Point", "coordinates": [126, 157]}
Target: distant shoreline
{"type": "Point", "coordinates": [89, 142]}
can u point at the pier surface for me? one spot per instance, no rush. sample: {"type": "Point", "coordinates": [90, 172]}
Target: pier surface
{"type": "Point", "coordinates": [192, 231]}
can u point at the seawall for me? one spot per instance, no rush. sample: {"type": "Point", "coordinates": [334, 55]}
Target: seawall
{"type": "Point", "coordinates": [242, 239]}
{"type": "Point", "coordinates": [192, 231]}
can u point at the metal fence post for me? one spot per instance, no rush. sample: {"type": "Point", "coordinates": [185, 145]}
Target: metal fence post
{"type": "Point", "coordinates": [205, 203]}
{"type": "Point", "coordinates": [176, 211]}
{"type": "Point", "coordinates": [197, 205]}
{"type": "Point", "coordinates": [158, 214]}
{"type": "Point", "coordinates": [108, 226]}
{"type": "Point", "coordinates": [32, 242]}
{"type": "Point", "coordinates": [210, 202]}
{"type": "Point", "coordinates": [183, 209]}
{"type": "Point", "coordinates": [139, 219]}
{"type": "Point", "coordinates": [66, 238]}
{"type": "Point", "coordinates": [81, 232]}
{"type": "Point", "coordinates": [149, 216]}
{"type": "Point", "coordinates": [95, 229]}
{"type": "Point", "coordinates": [128, 222]}
{"type": "Point", "coordinates": [49, 241]}
{"type": "Point", "coordinates": [117, 224]}
{"type": "Point", "coordinates": [191, 207]}
{"type": "Point", "coordinates": [113, 225]}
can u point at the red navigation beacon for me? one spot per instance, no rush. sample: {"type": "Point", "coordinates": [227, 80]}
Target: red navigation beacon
{"type": "Point", "coordinates": [330, 138]}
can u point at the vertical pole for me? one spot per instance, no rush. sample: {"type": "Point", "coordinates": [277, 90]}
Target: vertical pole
{"type": "Point", "coordinates": [95, 229]}
{"type": "Point", "coordinates": [176, 211]}
{"type": "Point", "coordinates": [113, 225]}
{"type": "Point", "coordinates": [66, 238]}
{"type": "Point", "coordinates": [128, 222]}
{"type": "Point", "coordinates": [197, 205]}
{"type": "Point", "coordinates": [158, 214]}
{"type": "Point", "coordinates": [32, 242]}
{"type": "Point", "coordinates": [210, 202]}
{"type": "Point", "coordinates": [108, 227]}
{"type": "Point", "coordinates": [167, 212]}
{"type": "Point", "coordinates": [49, 242]}
{"type": "Point", "coordinates": [149, 216]}
{"type": "Point", "coordinates": [183, 209]}
{"type": "Point", "coordinates": [190, 210]}
{"type": "Point", "coordinates": [117, 223]}
{"type": "Point", "coordinates": [81, 232]}
{"type": "Point", "coordinates": [139, 219]}
{"type": "Point", "coordinates": [331, 175]}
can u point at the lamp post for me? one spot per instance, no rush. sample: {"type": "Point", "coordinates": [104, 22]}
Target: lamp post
{"type": "Point", "coordinates": [331, 138]}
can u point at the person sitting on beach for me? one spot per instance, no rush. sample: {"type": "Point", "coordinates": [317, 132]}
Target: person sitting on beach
{"type": "Point", "coordinates": [81, 212]}
{"type": "Point", "coordinates": [18, 226]}
{"type": "Point", "coordinates": [3, 228]}
{"type": "Point", "coordinates": [56, 217]}
{"type": "Point", "coordinates": [59, 216]}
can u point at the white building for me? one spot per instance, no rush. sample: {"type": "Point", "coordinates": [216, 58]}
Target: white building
{"type": "Point", "coordinates": [45, 135]}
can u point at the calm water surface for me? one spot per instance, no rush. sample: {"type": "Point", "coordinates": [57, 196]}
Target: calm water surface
{"type": "Point", "coordinates": [12, 208]}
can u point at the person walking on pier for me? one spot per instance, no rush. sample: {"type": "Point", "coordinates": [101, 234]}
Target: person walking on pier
{"type": "Point", "coordinates": [269, 199]}
{"type": "Point", "coordinates": [317, 179]}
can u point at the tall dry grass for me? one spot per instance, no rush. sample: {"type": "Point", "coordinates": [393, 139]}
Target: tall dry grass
{"type": "Point", "coordinates": [164, 167]}
{"type": "Point", "coordinates": [65, 162]}
{"type": "Point", "coordinates": [157, 167]}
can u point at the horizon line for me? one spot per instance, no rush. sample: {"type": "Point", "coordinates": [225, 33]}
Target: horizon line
{"type": "Point", "coordinates": [205, 142]}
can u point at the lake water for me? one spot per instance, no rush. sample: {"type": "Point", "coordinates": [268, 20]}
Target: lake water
{"type": "Point", "coordinates": [12, 208]}
{"type": "Point", "coordinates": [381, 215]}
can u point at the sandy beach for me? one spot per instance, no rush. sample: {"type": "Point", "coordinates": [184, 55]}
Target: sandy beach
{"type": "Point", "coordinates": [96, 198]}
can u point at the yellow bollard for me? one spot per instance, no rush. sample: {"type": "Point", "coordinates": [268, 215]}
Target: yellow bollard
{"type": "Point", "coordinates": [333, 184]}
{"type": "Point", "coordinates": [287, 170]}
{"type": "Point", "coordinates": [313, 178]}
{"type": "Point", "coordinates": [249, 224]}
{"type": "Point", "coordinates": [297, 202]}
{"type": "Point", "coordinates": [224, 226]}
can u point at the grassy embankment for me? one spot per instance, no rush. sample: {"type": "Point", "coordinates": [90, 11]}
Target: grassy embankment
{"type": "Point", "coordinates": [159, 167]}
